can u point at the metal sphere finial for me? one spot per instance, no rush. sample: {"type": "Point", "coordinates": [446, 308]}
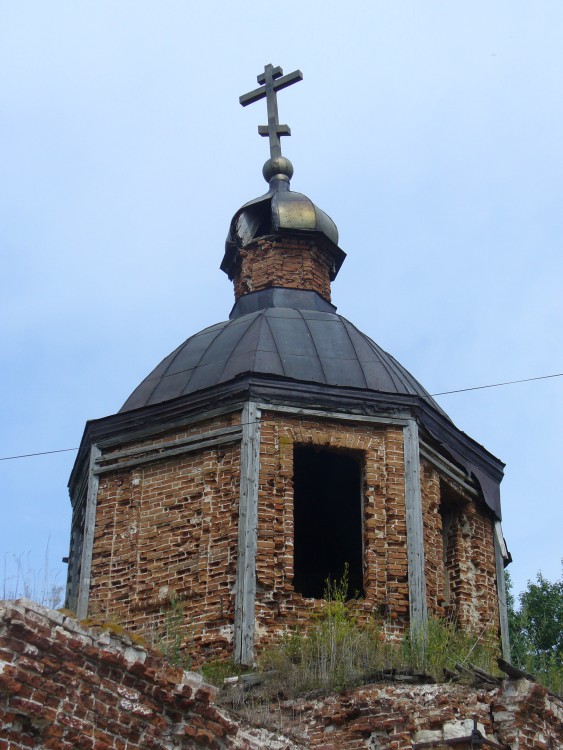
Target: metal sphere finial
{"type": "Point", "coordinates": [278, 168]}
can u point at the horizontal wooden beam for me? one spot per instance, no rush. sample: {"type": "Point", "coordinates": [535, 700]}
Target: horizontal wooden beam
{"type": "Point", "coordinates": [165, 444]}
{"type": "Point", "coordinates": [164, 454]}
{"type": "Point", "coordinates": [321, 414]}
{"type": "Point", "coordinates": [171, 424]}
{"type": "Point", "coordinates": [449, 469]}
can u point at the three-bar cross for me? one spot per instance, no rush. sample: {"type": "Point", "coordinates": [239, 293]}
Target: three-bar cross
{"type": "Point", "coordinates": [271, 81]}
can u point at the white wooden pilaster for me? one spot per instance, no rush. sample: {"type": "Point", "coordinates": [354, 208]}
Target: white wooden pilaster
{"type": "Point", "coordinates": [88, 542]}
{"type": "Point", "coordinates": [415, 539]}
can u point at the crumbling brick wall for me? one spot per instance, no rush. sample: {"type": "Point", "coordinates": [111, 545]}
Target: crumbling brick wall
{"type": "Point", "coordinates": [64, 686]}
{"type": "Point", "coordinates": [518, 715]}
{"type": "Point", "coordinates": [385, 553]}
{"type": "Point", "coordinates": [433, 542]}
{"type": "Point", "coordinates": [68, 687]}
{"type": "Point", "coordinates": [168, 530]}
{"type": "Point", "coordinates": [287, 262]}
{"type": "Point", "coordinates": [460, 563]}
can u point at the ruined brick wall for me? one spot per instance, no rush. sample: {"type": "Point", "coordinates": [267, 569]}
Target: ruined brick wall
{"type": "Point", "coordinates": [385, 554]}
{"type": "Point", "coordinates": [64, 686]}
{"type": "Point", "coordinates": [460, 578]}
{"type": "Point", "coordinates": [283, 262]}
{"type": "Point", "coordinates": [68, 687]}
{"type": "Point", "coordinates": [432, 534]}
{"type": "Point", "coordinates": [518, 715]}
{"type": "Point", "coordinates": [166, 529]}
{"type": "Point", "coordinates": [475, 584]}
{"type": "Point", "coordinates": [528, 717]}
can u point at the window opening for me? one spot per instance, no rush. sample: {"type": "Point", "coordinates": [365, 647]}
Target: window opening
{"type": "Point", "coordinates": [327, 490]}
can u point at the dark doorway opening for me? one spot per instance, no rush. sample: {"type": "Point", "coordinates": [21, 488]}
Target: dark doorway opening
{"type": "Point", "coordinates": [327, 491]}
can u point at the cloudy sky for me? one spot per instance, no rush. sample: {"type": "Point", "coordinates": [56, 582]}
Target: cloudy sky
{"type": "Point", "coordinates": [429, 131]}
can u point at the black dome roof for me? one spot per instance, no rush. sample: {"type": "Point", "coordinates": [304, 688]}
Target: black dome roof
{"type": "Point", "coordinates": [291, 334]}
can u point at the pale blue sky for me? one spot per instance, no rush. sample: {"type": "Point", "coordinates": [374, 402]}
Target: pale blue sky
{"type": "Point", "coordinates": [429, 131]}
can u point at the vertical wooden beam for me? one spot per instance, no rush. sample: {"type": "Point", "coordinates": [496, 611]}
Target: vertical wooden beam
{"type": "Point", "coordinates": [88, 541]}
{"type": "Point", "coordinates": [247, 536]}
{"type": "Point", "coordinates": [75, 557]}
{"type": "Point", "coordinates": [415, 538]}
{"type": "Point", "coordinates": [501, 591]}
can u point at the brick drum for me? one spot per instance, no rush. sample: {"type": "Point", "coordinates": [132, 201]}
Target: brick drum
{"type": "Point", "coordinates": [168, 531]}
{"type": "Point", "coordinates": [283, 262]}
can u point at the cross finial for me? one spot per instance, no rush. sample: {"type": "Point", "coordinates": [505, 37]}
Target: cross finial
{"type": "Point", "coordinates": [271, 81]}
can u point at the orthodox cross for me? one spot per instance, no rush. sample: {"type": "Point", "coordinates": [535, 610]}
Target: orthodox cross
{"type": "Point", "coordinates": [271, 81]}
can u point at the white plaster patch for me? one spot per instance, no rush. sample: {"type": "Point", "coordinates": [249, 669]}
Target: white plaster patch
{"type": "Point", "coordinates": [227, 631]}
{"type": "Point", "coordinates": [193, 679]}
{"type": "Point", "coordinates": [129, 693]}
{"type": "Point", "coordinates": [140, 710]}
{"type": "Point", "coordinates": [453, 729]}
{"type": "Point", "coordinates": [103, 638]}
{"type": "Point", "coordinates": [134, 655]}
{"type": "Point", "coordinates": [428, 735]}
{"type": "Point", "coordinates": [255, 738]}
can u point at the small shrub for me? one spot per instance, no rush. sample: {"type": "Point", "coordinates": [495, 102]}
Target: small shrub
{"type": "Point", "coordinates": [441, 645]}
{"type": "Point", "coordinates": [216, 672]}
{"type": "Point", "coordinates": [340, 649]}
{"type": "Point", "coordinates": [170, 637]}
{"type": "Point", "coordinates": [337, 650]}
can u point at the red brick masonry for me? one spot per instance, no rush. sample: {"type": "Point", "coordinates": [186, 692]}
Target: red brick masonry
{"type": "Point", "coordinates": [288, 263]}
{"type": "Point", "coordinates": [170, 528]}
{"type": "Point", "coordinates": [64, 686]}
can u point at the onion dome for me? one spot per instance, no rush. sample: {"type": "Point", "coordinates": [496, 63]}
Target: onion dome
{"type": "Point", "coordinates": [279, 210]}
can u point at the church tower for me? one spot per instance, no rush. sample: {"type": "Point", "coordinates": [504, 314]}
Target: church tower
{"type": "Point", "coordinates": [276, 450]}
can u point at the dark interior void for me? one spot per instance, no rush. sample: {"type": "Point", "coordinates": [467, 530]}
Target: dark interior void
{"type": "Point", "coordinates": [327, 487]}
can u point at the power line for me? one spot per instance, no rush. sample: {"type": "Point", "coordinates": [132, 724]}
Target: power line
{"type": "Point", "coordinates": [497, 385]}
{"type": "Point", "coordinates": [42, 453]}
{"type": "Point", "coordinates": [442, 393]}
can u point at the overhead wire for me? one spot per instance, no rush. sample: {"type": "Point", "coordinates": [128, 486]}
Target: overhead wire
{"type": "Point", "coordinates": [441, 393]}
{"type": "Point", "coordinates": [497, 385]}
{"type": "Point", "coordinates": [41, 453]}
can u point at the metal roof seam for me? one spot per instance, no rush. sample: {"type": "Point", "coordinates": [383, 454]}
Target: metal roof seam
{"type": "Point", "coordinates": [245, 333]}
{"type": "Point", "coordinates": [378, 351]}
{"type": "Point", "coordinates": [158, 378]}
{"type": "Point", "coordinates": [282, 366]}
{"type": "Point", "coordinates": [345, 324]}
{"type": "Point", "coordinates": [308, 327]}
{"type": "Point", "coordinates": [202, 355]}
